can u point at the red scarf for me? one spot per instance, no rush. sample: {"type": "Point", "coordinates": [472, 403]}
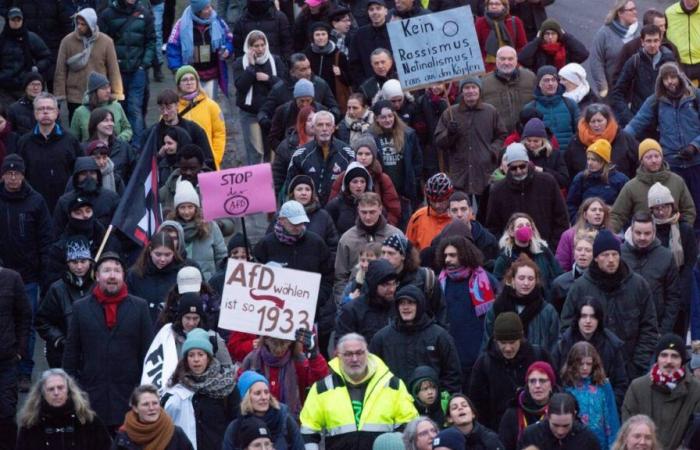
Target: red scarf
{"type": "Point", "coordinates": [662, 379]}
{"type": "Point", "coordinates": [557, 51]}
{"type": "Point", "coordinates": [110, 304]}
{"type": "Point", "coordinates": [480, 290]}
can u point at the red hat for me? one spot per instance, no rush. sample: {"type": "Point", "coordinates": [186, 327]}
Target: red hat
{"type": "Point", "coordinates": [543, 367]}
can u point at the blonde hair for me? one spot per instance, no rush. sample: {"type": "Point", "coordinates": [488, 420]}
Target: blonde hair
{"type": "Point", "coordinates": [30, 413]}
{"type": "Point", "coordinates": [247, 403]}
{"type": "Point", "coordinates": [614, 11]}
{"type": "Point", "coordinates": [639, 419]}
{"type": "Point", "coordinates": [537, 244]}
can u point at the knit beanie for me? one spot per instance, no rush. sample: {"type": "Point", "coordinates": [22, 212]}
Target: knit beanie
{"type": "Point", "coordinates": [189, 279]}
{"type": "Point", "coordinates": [251, 428]}
{"type": "Point", "coordinates": [670, 341]}
{"type": "Point", "coordinates": [197, 339]}
{"type": "Point", "coordinates": [470, 80]}
{"type": "Point", "coordinates": [13, 162]}
{"type": "Point", "coordinates": [301, 179]}
{"type": "Point", "coordinates": [198, 5]}
{"type": "Point", "coordinates": [534, 128]}
{"type": "Point", "coordinates": [605, 241]}
{"type": "Point", "coordinates": [550, 25]}
{"type": "Point", "coordinates": [389, 441]}
{"type": "Point", "coordinates": [236, 241]}
{"type": "Point", "coordinates": [185, 193]}
{"type": "Point", "coordinates": [96, 81]}
{"type": "Point", "coordinates": [247, 379]}
{"type": "Point", "coordinates": [319, 25]}
{"type": "Point", "coordinates": [451, 438]}
{"type": "Point", "coordinates": [647, 145]}
{"type": "Point", "coordinates": [546, 70]}
{"type": "Point", "coordinates": [97, 146]}
{"type": "Point", "coordinates": [508, 327]}
{"type": "Point", "coordinates": [184, 70]}
{"type": "Point", "coordinates": [379, 105]}
{"type": "Point", "coordinates": [188, 303]}
{"type": "Point", "coordinates": [33, 76]}
{"type": "Point", "coordinates": [543, 367]}
{"type": "Point", "coordinates": [77, 247]}
{"type": "Point", "coordinates": [659, 195]}
{"type": "Point", "coordinates": [516, 152]}
{"type": "Point", "coordinates": [354, 170]}
{"type": "Point", "coordinates": [391, 89]}
{"type": "Point", "coordinates": [303, 88]}
{"type": "Point", "coordinates": [574, 73]}
{"type": "Point", "coordinates": [398, 242]}
{"type": "Point", "coordinates": [602, 148]}
{"type": "Point", "coordinates": [366, 141]}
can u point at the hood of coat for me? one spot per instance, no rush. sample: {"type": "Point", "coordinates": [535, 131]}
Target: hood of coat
{"type": "Point", "coordinates": [420, 374]}
{"type": "Point", "coordinates": [421, 319]}
{"type": "Point", "coordinates": [90, 17]}
{"type": "Point", "coordinates": [84, 164]}
{"type": "Point", "coordinates": [668, 69]}
{"type": "Point", "coordinates": [649, 178]}
{"type": "Point", "coordinates": [354, 170]}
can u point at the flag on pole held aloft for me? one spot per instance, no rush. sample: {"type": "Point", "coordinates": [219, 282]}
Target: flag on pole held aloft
{"type": "Point", "coordinates": [138, 214]}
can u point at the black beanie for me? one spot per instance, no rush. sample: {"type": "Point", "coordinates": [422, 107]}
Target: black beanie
{"type": "Point", "coordinates": [249, 429]}
{"type": "Point", "coordinates": [33, 76]}
{"type": "Point", "coordinates": [235, 242]}
{"type": "Point", "coordinates": [13, 162]}
{"type": "Point", "coordinates": [508, 327]}
{"type": "Point", "coordinates": [670, 341]}
{"type": "Point", "coordinates": [301, 179]}
{"type": "Point", "coordinates": [605, 241]}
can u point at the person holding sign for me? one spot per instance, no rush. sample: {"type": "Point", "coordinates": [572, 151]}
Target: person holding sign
{"type": "Point", "coordinates": [496, 29]}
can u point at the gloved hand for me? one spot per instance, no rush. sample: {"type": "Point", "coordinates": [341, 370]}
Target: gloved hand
{"type": "Point", "coordinates": [306, 339]}
{"type": "Point", "coordinates": [452, 127]}
{"type": "Point", "coordinates": [687, 152]}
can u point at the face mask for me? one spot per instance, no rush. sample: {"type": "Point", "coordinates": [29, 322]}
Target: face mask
{"type": "Point", "coordinates": [88, 185]}
{"type": "Point", "coordinates": [80, 226]}
{"type": "Point", "coordinates": [523, 234]}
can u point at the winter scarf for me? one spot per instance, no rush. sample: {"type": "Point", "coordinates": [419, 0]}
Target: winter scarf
{"type": "Point", "coordinates": [674, 242]}
{"type": "Point", "coordinates": [526, 405]}
{"type": "Point", "coordinates": [187, 22]}
{"type": "Point", "coordinates": [509, 301]}
{"type": "Point", "coordinates": [151, 436]}
{"type": "Point", "coordinates": [360, 126]}
{"type": "Point", "coordinates": [284, 237]}
{"type": "Point", "coordinates": [480, 291]}
{"type": "Point", "coordinates": [625, 33]}
{"type": "Point", "coordinates": [381, 223]}
{"type": "Point", "coordinates": [498, 36]}
{"type": "Point", "coordinates": [78, 61]}
{"type": "Point", "coordinates": [608, 281]}
{"type": "Point", "coordinates": [215, 382]}
{"type": "Point", "coordinates": [312, 206]}
{"type": "Point", "coordinates": [191, 230]}
{"type": "Point", "coordinates": [289, 391]}
{"type": "Point", "coordinates": [557, 51]}
{"type": "Point", "coordinates": [587, 136]}
{"type": "Point", "coordinates": [327, 49]}
{"type": "Point", "coordinates": [258, 61]}
{"type": "Point", "coordinates": [670, 381]}
{"type": "Point", "coordinates": [110, 304]}
{"type": "Point", "coordinates": [108, 181]}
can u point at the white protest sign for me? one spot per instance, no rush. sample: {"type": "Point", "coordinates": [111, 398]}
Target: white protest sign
{"type": "Point", "coordinates": [268, 301]}
{"type": "Point", "coordinates": [435, 48]}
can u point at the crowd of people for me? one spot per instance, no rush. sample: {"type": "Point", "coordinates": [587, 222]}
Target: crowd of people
{"type": "Point", "coordinates": [506, 261]}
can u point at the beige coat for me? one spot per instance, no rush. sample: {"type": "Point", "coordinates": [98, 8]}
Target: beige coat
{"type": "Point", "coordinates": [70, 85]}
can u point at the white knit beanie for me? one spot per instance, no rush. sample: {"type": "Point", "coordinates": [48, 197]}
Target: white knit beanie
{"type": "Point", "coordinates": [391, 89]}
{"type": "Point", "coordinates": [575, 73]}
{"type": "Point", "coordinates": [185, 193]}
{"type": "Point", "coordinates": [659, 195]}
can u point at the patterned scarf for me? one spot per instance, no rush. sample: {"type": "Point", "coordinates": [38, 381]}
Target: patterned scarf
{"type": "Point", "coordinates": [674, 240]}
{"type": "Point", "coordinates": [151, 436]}
{"type": "Point", "coordinates": [480, 290]}
{"type": "Point", "coordinates": [263, 359]}
{"type": "Point", "coordinates": [669, 380]}
{"type": "Point", "coordinates": [284, 237]}
{"type": "Point", "coordinates": [526, 405]}
{"type": "Point", "coordinates": [215, 382]}
{"type": "Point", "coordinates": [557, 51]}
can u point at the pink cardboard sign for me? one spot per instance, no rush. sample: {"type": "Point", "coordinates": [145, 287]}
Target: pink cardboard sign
{"type": "Point", "coordinates": [237, 192]}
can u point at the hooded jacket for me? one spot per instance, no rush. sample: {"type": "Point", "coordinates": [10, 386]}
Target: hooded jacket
{"type": "Point", "coordinates": [154, 285]}
{"type": "Point", "coordinates": [104, 201]}
{"type": "Point", "coordinates": [343, 208]}
{"type": "Point", "coordinates": [435, 410]}
{"type": "Point", "coordinates": [134, 34]}
{"type": "Point", "coordinates": [70, 84]}
{"type": "Point", "coordinates": [403, 346]}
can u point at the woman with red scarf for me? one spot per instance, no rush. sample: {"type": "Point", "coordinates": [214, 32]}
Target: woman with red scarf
{"type": "Point", "coordinates": [552, 47]}
{"type": "Point", "coordinates": [496, 29]}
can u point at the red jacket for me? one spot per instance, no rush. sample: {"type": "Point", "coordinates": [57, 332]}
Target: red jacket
{"type": "Point", "coordinates": [517, 36]}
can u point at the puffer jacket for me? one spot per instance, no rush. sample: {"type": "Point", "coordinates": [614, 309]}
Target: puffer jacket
{"type": "Point", "coordinates": [81, 120]}
{"type": "Point", "coordinates": [133, 31]}
{"type": "Point", "coordinates": [551, 160]}
{"type": "Point", "coordinates": [272, 22]}
{"type": "Point", "coordinates": [583, 187]}
{"type": "Point", "coordinates": [561, 114]}
{"type": "Point", "coordinates": [343, 211]}
{"type": "Point", "coordinates": [633, 196]}
{"type": "Point", "coordinates": [624, 154]}
{"type": "Point", "coordinates": [207, 114]}
{"type": "Point", "coordinates": [509, 96]}
{"type": "Point", "coordinates": [403, 346]}
{"type": "Point", "coordinates": [207, 252]}
{"type": "Point", "coordinates": [21, 51]}
{"type": "Point", "coordinates": [628, 310]}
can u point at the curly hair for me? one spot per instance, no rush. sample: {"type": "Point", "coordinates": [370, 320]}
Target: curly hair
{"type": "Point", "coordinates": [570, 370]}
{"type": "Point", "coordinates": [469, 255]}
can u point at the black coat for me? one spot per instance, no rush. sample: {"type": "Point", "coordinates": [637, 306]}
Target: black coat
{"type": "Point", "coordinates": [553, 163]}
{"type": "Point", "coordinates": [533, 57]}
{"type": "Point", "coordinates": [52, 431]}
{"type": "Point", "coordinates": [26, 231]}
{"type": "Point", "coordinates": [343, 212]}
{"type": "Point", "coordinates": [195, 135]}
{"type": "Point", "coordinates": [108, 363]}
{"type": "Point", "coordinates": [273, 23]}
{"type": "Point", "coordinates": [322, 65]}
{"type": "Point", "coordinates": [21, 115]}
{"type": "Point", "coordinates": [21, 51]}
{"type": "Point", "coordinates": [284, 122]}
{"type": "Point", "coordinates": [609, 347]}
{"type": "Point", "coordinates": [15, 316]}
{"type": "Point", "coordinates": [442, 5]}
{"type": "Point", "coordinates": [310, 254]}
{"type": "Point", "coordinates": [625, 151]}
{"type": "Point", "coordinates": [482, 438]}
{"type": "Point", "coordinates": [283, 155]}
{"type": "Point", "coordinates": [495, 379]}
{"type": "Point", "coordinates": [321, 223]}
{"type": "Point", "coordinates": [154, 285]}
{"type": "Point", "coordinates": [47, 18]}
{"type": "Point", "coordinates": [364, 42]}
{"type": "Point", "coordinates": [509, 428]}
{"type": "Point", "coordinates": [179, 441]}
{"type": "Point", "coordinates": [55, 312]}
{"type": "Point", "coordinates": [540, 435]}
{"type": "Point", "coordinates": [49, 161]}
{"type": "Point", "coordinates": [283, 91]}
{"type": "Point", "coordinates": [244, 79]}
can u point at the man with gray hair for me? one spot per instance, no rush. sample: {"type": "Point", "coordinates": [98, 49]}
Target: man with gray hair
{"type": "Point", "coordinates": [323, 159]}
{"type": "Point", "coordinates": [379, 401]}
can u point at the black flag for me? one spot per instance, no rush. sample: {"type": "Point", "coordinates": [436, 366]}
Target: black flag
{"type": "Point", "coordinates": [138, 214]}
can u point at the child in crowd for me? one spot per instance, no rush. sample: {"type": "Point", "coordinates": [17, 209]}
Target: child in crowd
{"type": "Point", "coordinates": [427, 398]}
{"type": "Point", "coordinates": [370, 252]}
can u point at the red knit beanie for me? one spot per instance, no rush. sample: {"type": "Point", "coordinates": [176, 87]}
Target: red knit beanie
{"type": "Point", "coordinates": [543, 367]}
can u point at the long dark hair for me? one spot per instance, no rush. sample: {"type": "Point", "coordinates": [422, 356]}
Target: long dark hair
{"type": "Point", "coordinates": [160, 239]}
{"type": "Point", "coordinates": [469, 256]}
{"type": "Point", "coordinates": [597, 311]}
{"type": "Point", "coordinates": [97, 116]}
{"type": "Point", "coordinates": [169, 312]}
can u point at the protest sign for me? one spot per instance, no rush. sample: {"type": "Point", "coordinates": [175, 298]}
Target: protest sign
{"type": "Point", "coordinates": [237, 192]}
{"type": "Point", "coordinates": [267, 300]}
{"type": "Point", "coordinates": [435, 48]}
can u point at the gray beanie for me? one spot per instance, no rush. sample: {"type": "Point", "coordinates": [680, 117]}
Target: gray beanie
{"type": "Point", "coordinates": [546, 70]}
{"type": "Point", "coordinates": [96, 81]}
{"type": "Point", "coordinates": [470, 80]}
{"type": "Point", "coordinates": [516, 152]}
{"type": "Point", "coordinates": [303, 88]}
{"type": "Point", "coordinates": [659, 195]}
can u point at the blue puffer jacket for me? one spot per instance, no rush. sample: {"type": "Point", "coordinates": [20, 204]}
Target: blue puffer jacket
{"type": "Point", "coordinates": [560, 114]}
{"type": "Point", "coordinates": [593, 186]}
{"type": "Point", "coordinates": [679, 125]}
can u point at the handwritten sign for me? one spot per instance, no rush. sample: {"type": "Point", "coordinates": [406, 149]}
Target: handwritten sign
{"type": "Point", "coordinates": [237, 192]}
{"type": "Point", "coordinates": [268, 301]}
{"type": "Point", "coordinates": [435, 48]}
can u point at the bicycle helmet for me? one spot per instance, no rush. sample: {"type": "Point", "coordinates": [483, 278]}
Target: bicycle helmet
{"type": "Point", "coordinates": [438, 187]}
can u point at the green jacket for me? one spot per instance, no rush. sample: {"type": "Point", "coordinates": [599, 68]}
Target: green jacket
{"type": "Point", "coordinates": [81, 118]}
{"type": "Point", "coordinates": [131, 27]}
{"type": "Point", "coordinates": [633, 197]}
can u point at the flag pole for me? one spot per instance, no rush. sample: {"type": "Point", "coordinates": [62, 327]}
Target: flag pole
{"type": "Point", "coordinates": [245, 239]}
{"type": "Point", "coordinates": [104, 242]}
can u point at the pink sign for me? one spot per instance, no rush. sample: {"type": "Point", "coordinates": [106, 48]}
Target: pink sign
{"type": "Point", "coordinates": [237, 192]}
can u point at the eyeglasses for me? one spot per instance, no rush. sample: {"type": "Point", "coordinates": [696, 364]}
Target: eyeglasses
{"type": "Point", "coordinates": [351, 355]}
{"type": "Point", "coordinates": [535, 381]}
{"type": "Point", "coordinates": [519, 167]}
